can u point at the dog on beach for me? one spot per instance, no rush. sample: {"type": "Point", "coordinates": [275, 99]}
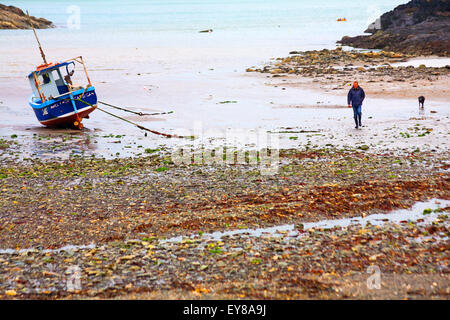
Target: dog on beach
{"type": "Point", "coordinates": [421, 101]}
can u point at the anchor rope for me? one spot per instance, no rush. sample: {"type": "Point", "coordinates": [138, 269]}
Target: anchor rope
{"type": "Point", "coordinates": [135, 112]}
{"type": "Point", "coordinates": [133, 123]}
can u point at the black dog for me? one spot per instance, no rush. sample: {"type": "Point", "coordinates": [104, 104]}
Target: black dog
{"type": "Point", "coordinates": [421, 101]}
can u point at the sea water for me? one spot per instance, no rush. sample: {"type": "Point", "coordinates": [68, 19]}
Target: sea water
{"type": "Point", "coordinates": [236, 24]}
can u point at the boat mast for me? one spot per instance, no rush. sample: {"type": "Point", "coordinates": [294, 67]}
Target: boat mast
{"type": "Point", "coordinates": [37, 39]}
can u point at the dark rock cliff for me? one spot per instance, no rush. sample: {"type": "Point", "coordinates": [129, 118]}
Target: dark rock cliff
{"type": "Point", "coordinates": [420, 27]}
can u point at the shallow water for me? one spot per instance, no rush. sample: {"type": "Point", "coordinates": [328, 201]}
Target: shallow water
{"type": "Point", "coordinates": [413, 214]}
{"type": "Point", "coordinates": [428, 62]}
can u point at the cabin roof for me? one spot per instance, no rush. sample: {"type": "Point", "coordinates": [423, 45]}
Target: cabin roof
{"type": "Point", "coordinates": [50, 66]}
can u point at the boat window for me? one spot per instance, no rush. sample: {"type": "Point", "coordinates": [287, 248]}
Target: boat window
{"type": "Point", "coordinates": [62, 87]}
{"type": "Point", "coordinates": [46, 78]}
{"type": "Point", "coordinates": [56, 75]}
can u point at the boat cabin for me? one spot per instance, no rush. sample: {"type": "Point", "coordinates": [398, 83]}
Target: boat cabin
{"type": "Point", "coordinates": [53, 80]}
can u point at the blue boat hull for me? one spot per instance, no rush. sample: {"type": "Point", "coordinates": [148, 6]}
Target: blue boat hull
{"type": "Point", "coordinates": [61, 111]}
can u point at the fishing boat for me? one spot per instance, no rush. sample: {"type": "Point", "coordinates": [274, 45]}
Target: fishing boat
{"type": "Point", "coordinates": [56, 100]}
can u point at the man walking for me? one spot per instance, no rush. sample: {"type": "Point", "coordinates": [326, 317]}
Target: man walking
{"type": "Point", "coordinates": [356, 97]}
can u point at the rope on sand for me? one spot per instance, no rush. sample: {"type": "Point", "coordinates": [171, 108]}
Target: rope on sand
{"type": "Point", "coordinates": [131, 111]}
{"type": "Point", "coordinates": [135, 124]}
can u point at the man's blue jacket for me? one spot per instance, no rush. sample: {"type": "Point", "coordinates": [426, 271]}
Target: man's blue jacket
{"type": "Point", "coordinates": [356, 96]}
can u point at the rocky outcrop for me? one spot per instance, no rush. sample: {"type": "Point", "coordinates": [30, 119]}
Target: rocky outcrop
{"type": "Point", "coordinates": [14, 18]}
{"type": "Point", "coordinates": [420, 27]}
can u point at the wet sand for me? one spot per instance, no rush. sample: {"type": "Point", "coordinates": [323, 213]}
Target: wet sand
{"type": "Point", "coordinates": [196, 92]}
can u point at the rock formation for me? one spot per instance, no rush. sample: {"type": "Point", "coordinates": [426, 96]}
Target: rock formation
{"type": "Point", "coordinates": [420, 27]}
{"type": "Point", "coordinates": [14, 18]}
